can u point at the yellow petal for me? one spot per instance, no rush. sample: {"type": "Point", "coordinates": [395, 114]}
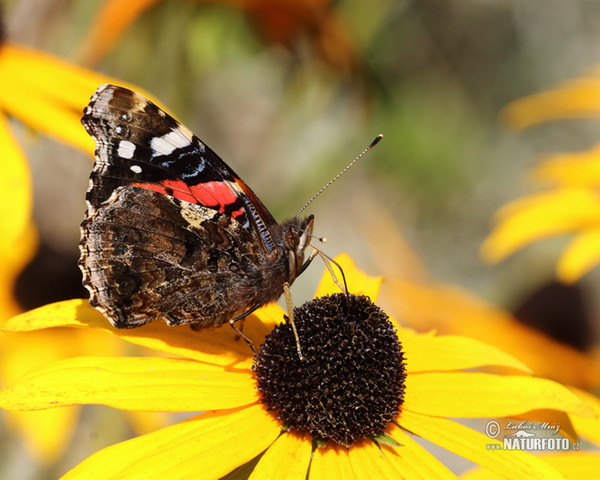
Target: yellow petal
{"type": "Point", "coordinates": [331, 462]}
{"type": "Point", "coordinates": [68, 313]}
{"type": "Point", "coordinates": [217, 346]}
{"type": "Point", "coordinates": [576, 465]}
{"type": "Point", "coordinates": [473, 446]}
{"type": "Point", "coordinates": [288, 457]}
{"type": "Point", "coordinates": [539, 216]}
{"type": "Point", "coordinates": [580, 256]}
{"type": "Point", "coordinates": [359, 283]}
{"type": "Point", "coordinates": [425, 353]}
{"type": "Point", "coordinates": [589, 428]}
{"type": "Point", "coordinates": [470, 394]}
{"type": "Point", "coordinates": [412, 460]}
{"type": "Point", "coordinates": [552, 417]}
{"type": "Point", "coordinates": [573, 465]}
{"type": "Point", "coordinates": [368, 461]}
{"type": "Point", "coordinates": [206, 446]}
{"type": "Point", "coordinates": [576, 98]}
{"type": "Point", "coordinates": [147, 384]}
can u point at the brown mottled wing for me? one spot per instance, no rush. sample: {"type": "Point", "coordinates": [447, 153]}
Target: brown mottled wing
{"type": "Point", "coordinates": [148, 256]}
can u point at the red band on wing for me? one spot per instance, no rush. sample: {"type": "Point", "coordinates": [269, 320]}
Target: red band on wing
{"type": "Point", "coordinates": [209, 194]}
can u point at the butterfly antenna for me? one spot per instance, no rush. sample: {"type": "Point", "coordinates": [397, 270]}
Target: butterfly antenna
{"type": "Point", "coordinates": [373, 143]}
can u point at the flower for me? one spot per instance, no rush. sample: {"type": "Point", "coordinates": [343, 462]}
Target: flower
{"type": "Point", "coordinates": [570, 202]}
{"type": "Point", "coordinates": [212, 372]}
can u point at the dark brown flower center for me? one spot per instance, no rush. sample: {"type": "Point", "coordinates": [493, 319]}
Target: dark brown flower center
{"type": "Point", "coordinates": [350, 384]}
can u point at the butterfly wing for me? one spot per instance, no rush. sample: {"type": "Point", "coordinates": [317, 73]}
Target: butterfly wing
{"type": "Point", "coordinates": [171, 231]}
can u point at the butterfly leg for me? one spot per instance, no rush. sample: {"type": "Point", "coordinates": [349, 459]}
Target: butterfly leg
{"type": "Point", "coordinates": [241, 316]}
{"type": "Point", "coordinates": [308, 261]}
{"type": "Point", "coordinates": [290, 309]}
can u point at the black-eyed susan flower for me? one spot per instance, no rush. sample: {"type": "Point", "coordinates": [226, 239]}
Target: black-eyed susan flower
{"type": "Point", "coordinates": [569, 202]}
{"type": "Point", "coordinates": [428, 380]}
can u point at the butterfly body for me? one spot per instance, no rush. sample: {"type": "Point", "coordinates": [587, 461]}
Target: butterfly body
{"type": "Point", "coordinates": [171, 232]}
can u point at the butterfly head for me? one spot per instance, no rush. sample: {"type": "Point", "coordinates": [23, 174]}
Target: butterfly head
{"type": "Point", "coordinates": [296, 234]}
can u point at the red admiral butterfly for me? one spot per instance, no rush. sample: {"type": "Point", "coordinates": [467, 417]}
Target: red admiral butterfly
{"type": "Point", "coordinates": [171, 232]}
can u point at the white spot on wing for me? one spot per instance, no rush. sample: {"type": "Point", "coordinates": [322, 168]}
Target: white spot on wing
{"type": "Point", "coordinates": [126, 149]}
{"type": "Point", "coordinates": [165, 145]}
{"type": "Point", "coordinates": [136, 169]}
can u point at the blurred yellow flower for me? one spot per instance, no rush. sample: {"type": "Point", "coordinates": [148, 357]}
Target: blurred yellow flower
{"type": "Point", "coordinates": [445, 377]}
{"type": "Point", "coordinates": [570, 203]}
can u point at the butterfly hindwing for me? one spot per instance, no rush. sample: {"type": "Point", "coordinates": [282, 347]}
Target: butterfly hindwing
{"type": "Point", "coordinates": [147, 258]}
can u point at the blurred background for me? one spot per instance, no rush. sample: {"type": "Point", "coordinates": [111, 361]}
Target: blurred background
{"type": "Point", "coordinates": [289, 92]}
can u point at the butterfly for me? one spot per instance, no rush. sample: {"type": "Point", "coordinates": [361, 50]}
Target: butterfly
{"type": "Point", "coordinates": [171, 232]}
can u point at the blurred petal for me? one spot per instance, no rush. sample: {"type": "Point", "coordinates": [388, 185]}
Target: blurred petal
{"type": "Point", "coordinates": [359, 283]}
{"type": "Point", "coordinates": [573, 169]}
{"type": "Point", "coordinates": [48, 93]}
{"type": "Point", "coordinates": [538, 216]}
{"type": "Point", "coordinates": [45, 433]}
{"type": "Point", "coordinates": [112, 19]}
{"type": "Point", "coordinates": [146, 422]}
{"type": "Point", "coordinates": [472, 445]}
{"type": "Point", "coordinates": [390, 251]}
{"type": "Point", "coordinates": [18, 238]}
{"type": "Point", "coordinates": [576, 98]}
{"type": "Point", "coordinates": [147, 384]}
{"type": "Point", "coordinates": [200, 447]}
{"type": "Point", "coordinates": [581, 255]}
{"type": "Point", "coordinates": [288, 457]}
{"type": "Point", "coordinates": [425, 353]}
{"type": "Point", "coordinates": [414, 461]}
{"type": "Point", "coordinates": [470, 394]}
{"type": "Point", "coordinates": [15, 188]}
{"type": "Point", "coordinates": [210, 345]}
